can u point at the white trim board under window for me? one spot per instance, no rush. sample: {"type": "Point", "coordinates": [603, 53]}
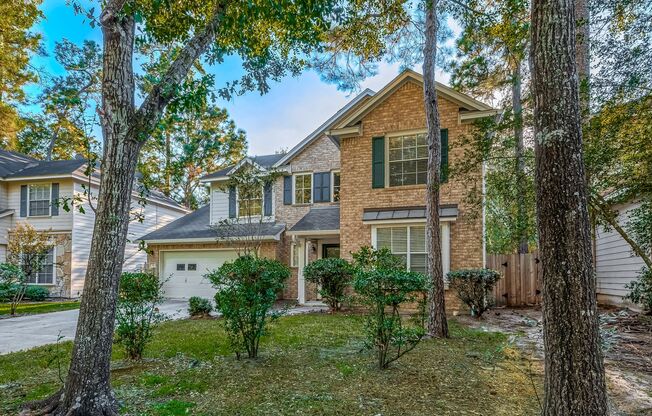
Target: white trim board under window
{"type": "Point", "coordinates": [409, 242]}
{"type": "Point", "coordinates": [39, 200]}
{"type": "Point", "coordinates": [302, 194]}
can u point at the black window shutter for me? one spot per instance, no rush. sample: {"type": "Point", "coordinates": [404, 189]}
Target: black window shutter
{"type": "Point", "coordinates": [287, 190]}
{"type": "Point", "coordinates": [444, 155]}
{"type": "Point", "coordinates": [267, 200]}
{"type": "Point", "coordinates": [55, 199]}
{"type": "Point", "coordinates": [232, 202]}
{"type": "Point", "coordinates": [23, 200]}
{"type": "Point", "coordinates": [378, 162]}
{"type": "Point", "coordinates": [326, 186]}
{"type": "Point", "coordinates": [316, 188]}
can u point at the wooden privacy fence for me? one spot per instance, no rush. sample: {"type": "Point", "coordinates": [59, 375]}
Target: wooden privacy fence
{"type": "Point", "coordinates": [521, 283]}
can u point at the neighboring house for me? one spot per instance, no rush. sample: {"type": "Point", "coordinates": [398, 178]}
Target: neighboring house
{"type": "Point", "coordinates": [33, 191]}
{"type": "Point", "coordinates": [615, 263]}
{"type": "Point", "coordinates": [359, 179]}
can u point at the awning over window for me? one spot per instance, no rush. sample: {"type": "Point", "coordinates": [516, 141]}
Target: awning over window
{"type": "Point", "coordinates": [406, 213]}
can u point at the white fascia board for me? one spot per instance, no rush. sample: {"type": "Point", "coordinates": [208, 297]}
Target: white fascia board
{"type": "Point", "coordinates": [209, 240]}
{"type": "Point", "coordinates": [314, 233]}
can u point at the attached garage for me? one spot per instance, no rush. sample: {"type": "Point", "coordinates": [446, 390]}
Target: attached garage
{"type": "Point", "coordinates": [185, 270]}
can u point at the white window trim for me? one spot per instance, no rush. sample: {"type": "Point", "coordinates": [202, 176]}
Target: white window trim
{"type": "Point", "coordinates": [294, 259]}
{"type": "Point", "coordinates": [29, 191]}
{"type": "Point", "coordinates": [445, 241]}
{"type": "Point", "coordinates": [333, 172]}
{"type": "Point", "coordinates": [397, 134]}
{"type": "Point", "coordinates": [54, 271]}
{"type": "Point", "coordinates": [294, 187]}
{"type": "Point", "coordinates": [262, 205]}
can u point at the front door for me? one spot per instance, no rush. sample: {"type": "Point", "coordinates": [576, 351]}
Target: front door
{"type": "Point", "coordinates": [330, 250]}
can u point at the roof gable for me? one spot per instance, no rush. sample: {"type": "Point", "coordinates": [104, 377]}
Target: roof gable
{"type": "Point", "coordinates": [464, 101]}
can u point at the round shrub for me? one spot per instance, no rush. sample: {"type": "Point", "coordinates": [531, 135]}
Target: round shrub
{"type": "Point", "coordinates": [473, 287]}
{"type": "Point", "coordinates": [36, 293]}
{"type": "Point", "coordinates": [199, 306]}
{"type": "Point", "coordinates": [333, 276]}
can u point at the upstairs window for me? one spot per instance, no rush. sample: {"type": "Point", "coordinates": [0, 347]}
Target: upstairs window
{"type": "Point", "coordinates": [336, 187]}
{"type": "Point", "coordinates": [250, 202]}
{"type": "Point", "coordinates": [408, 160]}
{"type": "Point", "coordinates": [303, 188]}
{"type": "Point", "coordinates": [39, 200]}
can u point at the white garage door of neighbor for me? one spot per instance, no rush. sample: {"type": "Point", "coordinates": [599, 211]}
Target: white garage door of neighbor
{"type": "Point", "coordinates": [185, 270]}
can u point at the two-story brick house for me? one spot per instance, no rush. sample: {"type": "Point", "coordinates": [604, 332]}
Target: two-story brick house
{"type": "Point", "coordinates": [359, 179]}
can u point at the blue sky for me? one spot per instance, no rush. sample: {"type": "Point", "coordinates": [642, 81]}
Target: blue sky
{"type": "Point", "coordinates": [278, 120]}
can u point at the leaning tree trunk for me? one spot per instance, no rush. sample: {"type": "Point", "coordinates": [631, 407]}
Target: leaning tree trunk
{"type": "Point", "coordinates": [519, 165]}
{"type": "Point", "coordinates": [574, 369]}
{"type": "Point", "coordinates": [87, 390]}
{"type": "Point", "coordinates": [437, 324]}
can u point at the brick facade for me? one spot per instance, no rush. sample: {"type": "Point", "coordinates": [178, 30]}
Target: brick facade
{"type": "Point", "coordinates": [404, 111]}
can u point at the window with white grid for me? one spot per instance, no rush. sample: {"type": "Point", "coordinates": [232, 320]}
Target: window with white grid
{"type": "Point", "coordinates": [39, 200]}
{"type": "Point", "coordinates": [407, 159]}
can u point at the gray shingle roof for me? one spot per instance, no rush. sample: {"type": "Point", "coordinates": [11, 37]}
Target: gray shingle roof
{"type": "Point", "coordinates": [404, 213]}
{"type": "Point", "coordinates": [266, 161]}
{"type": "Point", "coordinates": [11, 162]}
{"type": "Point", "coordinates": [319, 219]}
{"type": "Point", "coordinates": [197, 225]}
{"type": "Point", "coordinates": [52, 167]}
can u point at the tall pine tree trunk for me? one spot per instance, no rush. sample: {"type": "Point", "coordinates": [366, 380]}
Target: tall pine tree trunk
{"type": "Point", "coordinates": [519, 164]}
{"type": "Point", "coordinates": [574, 369]}
{"type": "Point", "coordinates": [437, 324]}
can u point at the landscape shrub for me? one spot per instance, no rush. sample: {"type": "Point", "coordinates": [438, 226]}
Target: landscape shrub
{"type": "Point", "coordinates": [247, 289]}
{"type": "Point", "coordinates": [139, 295]}
{"type": "Point", "coordinates": [473, 287]}
{"type": "Point", "coordinates": [13, 284]}
{"type": "Point", "coordinates": [333, 276]}
{"type": "Point", "coordinates": [640, 290]}
{"type": "Point", "coordinates": [36, 293]}
{"type": "Point", "coordinates": [199, 306]}
{"type": "Point", "coordinates": [383, 286]}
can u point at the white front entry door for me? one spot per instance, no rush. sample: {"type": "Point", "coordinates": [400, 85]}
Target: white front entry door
{"type": "Point", "coordinates": [183, 272]}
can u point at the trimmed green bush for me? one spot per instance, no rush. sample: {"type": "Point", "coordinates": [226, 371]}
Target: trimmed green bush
{"type": "Point", "coordinates": [333, 276]}
{"type": "Point", "coordinates": [36, 293]}
{"type": "Point", "coordinates": [640, 290]}
{"type": "Point", "coordinates": [247, 289]}
{"type": "Point", "coordinates": [383, 285]}
{"type": "Point", "coordinates": [473, 287]}
{"type": "Point", "coordinates": [139, 295]}
{"type": "Point", "coordinates": [199, 306]}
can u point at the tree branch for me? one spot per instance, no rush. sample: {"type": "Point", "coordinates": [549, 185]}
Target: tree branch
{"type": "Point", "coordinates": [149, 112]}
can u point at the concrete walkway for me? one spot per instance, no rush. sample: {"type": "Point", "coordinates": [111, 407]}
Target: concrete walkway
{"type": "Point", "coordinates": [31, 331]}
{"type": "Point", "coordinates": [25, 332]}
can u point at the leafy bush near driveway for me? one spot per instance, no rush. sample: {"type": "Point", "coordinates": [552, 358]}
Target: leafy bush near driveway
{"type": "Point", "coordinates": [383, 285]}
{"type": "Point", "coordinates": [199, 306]}
{"type": "Point", "coordinates": [247, 289]}
{"type": "Point", "coordinates": [473, 287]}
{"type": "Point", "coordinates": [640, 290]}
{"type": "Point", "coordinates": [13, 284]}
{"type": "Point", "coordinates": [333, 275]}
{"type": "Point", "coordinates": [139, 295]}
{"type": "Point", "coordinates": [36, 293]}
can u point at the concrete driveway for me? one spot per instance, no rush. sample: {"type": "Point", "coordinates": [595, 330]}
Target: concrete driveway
{"type": "Point", "coordinates": [31, 331]}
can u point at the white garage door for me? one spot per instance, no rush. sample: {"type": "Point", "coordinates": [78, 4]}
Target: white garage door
{"type": "Point", "coordinates": [185, 270]}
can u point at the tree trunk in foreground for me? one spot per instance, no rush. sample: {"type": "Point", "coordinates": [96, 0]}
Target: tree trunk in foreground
{"type": "Point", "coordinates": [87, 390]}
{"type": "Point", "coordinates": [437, 324]}
{"type": "Point", "coordinates": [519, 165]}
{"type": "Point", "coordinates": [574, 369]}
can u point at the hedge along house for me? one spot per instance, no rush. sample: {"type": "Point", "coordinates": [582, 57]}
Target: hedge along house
{"type": "Point", "coordinates": [300, 208]}
{"type": "Point", "coordinates": [34, 191]}
{"type": "Point", "coordinates": [384, 158]}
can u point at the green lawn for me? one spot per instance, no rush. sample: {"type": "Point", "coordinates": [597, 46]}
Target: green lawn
{"type": "Point", "coordinates": [39, 307]}
{"type": "Point", "coordinates": [309, 365]}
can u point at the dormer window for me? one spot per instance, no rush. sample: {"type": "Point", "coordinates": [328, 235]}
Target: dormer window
{"type": "Point", "coordinates": [250, 202]}
{"type": "Point", "coordinates": [39, 200]}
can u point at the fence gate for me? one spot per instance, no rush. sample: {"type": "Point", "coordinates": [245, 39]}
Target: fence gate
{"type": "Point", "coordinates": [521, 283]}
